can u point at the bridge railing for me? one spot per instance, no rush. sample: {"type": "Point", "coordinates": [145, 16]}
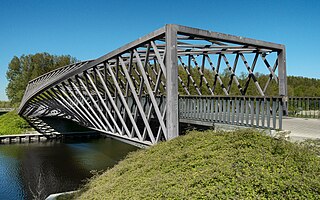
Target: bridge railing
{"type": "Point", "coordinates": [307, 107]}
{"type": "Point", "coordinates": [40, 83]}
{"type": "Point", "coordinates": [263, 112]}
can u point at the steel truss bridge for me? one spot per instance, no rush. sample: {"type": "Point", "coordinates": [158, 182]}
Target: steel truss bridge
{"type": "Point", "coordinates": [141, 91]}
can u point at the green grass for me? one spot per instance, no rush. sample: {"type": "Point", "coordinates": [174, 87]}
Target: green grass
{"type": "Point", "coordinates": [212, 165]}
{"type": "Point", "coordinates": [11, 123]}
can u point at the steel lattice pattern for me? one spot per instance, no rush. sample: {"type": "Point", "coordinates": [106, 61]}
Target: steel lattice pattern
{"type": "Point", "coordinates": [132, 92]}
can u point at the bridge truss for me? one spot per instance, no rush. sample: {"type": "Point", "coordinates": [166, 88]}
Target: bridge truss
{"type": "Point", "coordinates": [133, 92]}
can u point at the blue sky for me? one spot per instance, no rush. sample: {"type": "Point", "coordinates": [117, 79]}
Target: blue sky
{"type": "Point", "coordinates": [88, 29]}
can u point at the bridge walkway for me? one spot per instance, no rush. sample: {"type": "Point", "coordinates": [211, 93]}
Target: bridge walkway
{"type": "Point", "coordinates": [302, 128]}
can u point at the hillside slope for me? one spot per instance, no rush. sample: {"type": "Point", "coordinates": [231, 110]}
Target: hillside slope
{"type": "Point", "coordinates": [211, 165]}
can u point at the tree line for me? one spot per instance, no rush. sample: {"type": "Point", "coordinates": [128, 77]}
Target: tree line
{"type": "Point", "coordinates": [27, 67]}
{"type": "Point", "coordinates": [297, 85]}
{"type": "Point", "coordinates": [5, 104]}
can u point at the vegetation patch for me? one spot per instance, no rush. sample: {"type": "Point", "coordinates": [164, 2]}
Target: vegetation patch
{"type": "Point", "coordinates": [212, 165]}
{"type": "Point", "coordinates": [11, 123]}
{"type": "Point", "coordinates": [5, 104]}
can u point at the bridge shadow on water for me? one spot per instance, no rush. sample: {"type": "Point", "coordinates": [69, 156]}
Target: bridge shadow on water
{"type": "Point", "coordinates": [71, 129]}
{"type": "Point", "coordinates": [65, 126]}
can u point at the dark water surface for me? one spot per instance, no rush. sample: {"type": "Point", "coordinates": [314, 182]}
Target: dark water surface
{"type": "Point", "coordinates": [39, 169]}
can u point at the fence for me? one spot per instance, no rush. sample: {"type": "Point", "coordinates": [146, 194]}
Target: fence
{"type": "Point", "coordinates": [308, 107]}
{"type": "Point", "coordinates": [5, 106]}
{"type": "Point", "coordinates": [4, 110]}
{"type": "Point", "coordinates": [263, 112]}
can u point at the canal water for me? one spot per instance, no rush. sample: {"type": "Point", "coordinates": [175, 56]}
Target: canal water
{"type": "Point", "coordinates": [35, 170]}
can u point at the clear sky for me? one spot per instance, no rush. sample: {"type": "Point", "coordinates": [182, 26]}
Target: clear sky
{"type": "Point", "coordinates": [87, 29]}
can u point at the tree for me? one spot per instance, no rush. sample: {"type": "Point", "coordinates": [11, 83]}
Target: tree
{"type": "Point", "coordinates": [27, 67]}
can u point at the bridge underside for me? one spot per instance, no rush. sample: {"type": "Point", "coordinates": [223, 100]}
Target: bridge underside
{"type": "Point", "coordinates": [141, 90]}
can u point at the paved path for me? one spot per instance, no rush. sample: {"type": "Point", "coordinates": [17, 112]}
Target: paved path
{"type": "Point", "coordinates": [302, 128]}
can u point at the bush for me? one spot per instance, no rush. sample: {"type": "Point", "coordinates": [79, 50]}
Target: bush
{"type": "Point", "coordinates": [212, 165]}
{"type": "Point", "coordinates": [11, 123]}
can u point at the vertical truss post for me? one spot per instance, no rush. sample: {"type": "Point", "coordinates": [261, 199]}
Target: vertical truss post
{"type": "Point", "coordinates": [172, 119]}
{"type": "Point", "coordinates": [282, 74]}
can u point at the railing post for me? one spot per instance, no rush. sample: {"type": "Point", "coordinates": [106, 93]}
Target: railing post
{"type": "Point", "coordinates": [280, 114]}
{"type": "Point", "coordinates": [282, 72]}
{"type": "Point", "coordinates": [172, 120]}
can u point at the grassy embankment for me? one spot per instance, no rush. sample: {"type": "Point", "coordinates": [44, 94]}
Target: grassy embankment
{"type": "Point", "coordinates": [11, 123]}
{"type": "Point", "coordinates": [212, 165]}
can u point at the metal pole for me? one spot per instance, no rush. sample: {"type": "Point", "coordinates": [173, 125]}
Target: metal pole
{"type": "Point", "coordinates": [172, 82]}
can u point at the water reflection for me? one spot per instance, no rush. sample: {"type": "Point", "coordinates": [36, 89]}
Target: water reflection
{"type": "Point", "coordinates": [39, 169]}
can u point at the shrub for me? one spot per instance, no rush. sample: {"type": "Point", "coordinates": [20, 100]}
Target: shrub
{"type": "Point", "coordinates": [12, 123]}
{"type": "Point", "coordinates": [212, 165]}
